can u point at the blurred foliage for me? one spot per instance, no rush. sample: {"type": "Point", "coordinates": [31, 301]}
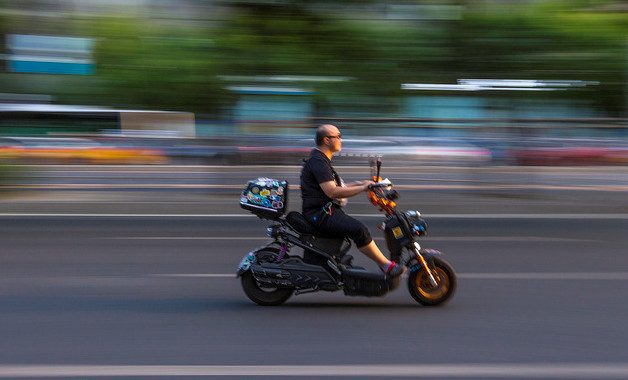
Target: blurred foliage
{"type": "Point", "coordinates": [157, 67]}
{"type": "Point", "coordinates": [559, 40]}
{"type": "Point", "coordinates": [148, 63]}
{"type": "Point", "coordinates": [290, 40]}
{"type": "Point", "coordinates": [9, 175]}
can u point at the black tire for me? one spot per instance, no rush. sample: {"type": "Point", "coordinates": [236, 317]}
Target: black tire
{"type": "Point", "coordinates": [264, 296]}
{"type": "Point", "coordinates": [426, 294]}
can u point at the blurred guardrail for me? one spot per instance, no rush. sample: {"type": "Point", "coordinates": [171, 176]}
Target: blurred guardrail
{"type": "Point", "coordinates": [230, 179]}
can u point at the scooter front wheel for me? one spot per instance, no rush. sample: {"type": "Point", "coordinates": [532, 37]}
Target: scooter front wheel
{"type": "Point", "coordinates": [263, 296]}
{"type": "Point", "coordinates": [424, 292]}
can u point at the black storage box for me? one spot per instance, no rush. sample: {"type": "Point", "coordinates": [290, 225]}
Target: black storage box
{"type": "Point", "coordinates": [360, 282]}
{"type": "Point", "coordinates": [265, 197]}
{"type": "Point", "coordinates": [335, 247]}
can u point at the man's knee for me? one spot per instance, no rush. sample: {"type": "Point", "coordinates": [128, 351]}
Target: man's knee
{"type": "Point", "coordinates": [362, 237]}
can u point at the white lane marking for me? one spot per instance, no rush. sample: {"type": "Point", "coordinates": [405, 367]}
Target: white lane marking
{"type": "Point", "coordinates": [427, 216]}
{"type": "Point", "coordinates": [610, 276]}
{"type": "Point", "coordinates": [606, 276]}
{"type": "Point", "coordinates": [502, 239]}
{"type": "Point", "coordinates": [61, 215]}
{"type": "Point", "coordinates": [183, 238]}
{"type": "Point", "coordinates": [512, 216]}
{"type": "Point", "coordinates": [474, 370]}
{"type": "Point", "coordinates": [196, 275]}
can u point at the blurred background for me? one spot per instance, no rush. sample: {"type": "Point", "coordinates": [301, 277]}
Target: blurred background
{"type": "Point", "coordinates": [128, 129]}
{"type": "Point", "coordinates": [508, 82]}
{"type": "Point", "coordinates": [438, 82]}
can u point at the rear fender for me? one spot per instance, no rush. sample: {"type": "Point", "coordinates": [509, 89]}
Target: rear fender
{"type": "Point", "coordinates": [249, 258]}
{"type": "Point", "coordinates": [428, 254]}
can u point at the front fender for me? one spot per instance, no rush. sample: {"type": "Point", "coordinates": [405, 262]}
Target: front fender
{"type": "Point", "coordinates": [428, 254]}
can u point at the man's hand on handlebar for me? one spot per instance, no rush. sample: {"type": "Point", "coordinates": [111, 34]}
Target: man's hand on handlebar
{"type": "Point", "coordinates": [384, 183]}
{"type": "Point", "coordinates": [365, 184]}
{"type": "Point", "coordinates": [368, 184]}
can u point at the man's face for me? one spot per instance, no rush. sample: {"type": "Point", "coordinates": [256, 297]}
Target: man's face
{"type": "Point", "coordinates": [334, 140]}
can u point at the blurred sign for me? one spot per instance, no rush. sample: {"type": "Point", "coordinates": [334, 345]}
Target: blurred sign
{"type": "Point", "coordinates": [49, 55]}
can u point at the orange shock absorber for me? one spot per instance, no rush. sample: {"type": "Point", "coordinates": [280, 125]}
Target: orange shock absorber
{"type": "Point", "coordinates": [425, 265]}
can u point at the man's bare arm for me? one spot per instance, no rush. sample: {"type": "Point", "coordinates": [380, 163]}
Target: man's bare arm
{"type": "Point", "coordinates": [334, 191]}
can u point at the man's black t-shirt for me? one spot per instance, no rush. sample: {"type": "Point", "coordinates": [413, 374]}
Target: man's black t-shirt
{"type": "Point", "coordinates": [316, 170]}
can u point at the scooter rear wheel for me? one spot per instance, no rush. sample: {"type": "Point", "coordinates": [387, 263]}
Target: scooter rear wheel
{"type": "Point", "coordinates": [263, 296]}
{"type": "Point", "coordinates": [424, 292]}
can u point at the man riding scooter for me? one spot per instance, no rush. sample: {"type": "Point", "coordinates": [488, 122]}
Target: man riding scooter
{"type": "Point", "coordinates": [323, 194]}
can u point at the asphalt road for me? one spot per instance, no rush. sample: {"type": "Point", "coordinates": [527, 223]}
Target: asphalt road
{"type": "Point", "coordinates": [155, 296]}
{"type": "Point", "coordinates": [186, 190]}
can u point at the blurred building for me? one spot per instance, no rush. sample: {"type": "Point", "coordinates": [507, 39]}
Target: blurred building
{"type": "Point", "coordinates": [180, 9]}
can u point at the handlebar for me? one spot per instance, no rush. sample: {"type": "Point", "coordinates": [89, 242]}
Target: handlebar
{"type": "Point", "coordinates": [382, 196]}
{"type": "Point", "coordinates": [380, 184]}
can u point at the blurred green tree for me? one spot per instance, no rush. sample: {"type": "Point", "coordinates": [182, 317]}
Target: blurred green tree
{"type": "Point", "coordinates": [151, 66]}
{"type": "Point", "coordinates": [559, 40]}
{"type": "Point", "coordinates": [181, 64]}
{"type": "Point", "coordinates": [294, 40]}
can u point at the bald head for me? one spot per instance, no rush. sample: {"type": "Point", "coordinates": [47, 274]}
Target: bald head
{"type": "Point", "coordinates": [323, 131]}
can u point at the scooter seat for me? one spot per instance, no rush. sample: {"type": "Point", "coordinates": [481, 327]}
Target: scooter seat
{"type": "Point", "coordinates": [297, 221]}
{"type": "Point", "coordinates": [332, 245]}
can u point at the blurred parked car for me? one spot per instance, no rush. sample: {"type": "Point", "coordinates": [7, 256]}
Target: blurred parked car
{"type": "Point", "coordinates": [291, 150]}
{"type": "Point", "coordinates": [57, 150]}
{"type": "Point", "coordinates": [568, 152]}
{"type": "Point", "coordinates": [267, 150]}
{"type": "Point", "coordinates": [411, 151]}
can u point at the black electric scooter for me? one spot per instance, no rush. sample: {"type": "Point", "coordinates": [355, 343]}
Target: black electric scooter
{"type": "Point", "coordinates": [271, 274]}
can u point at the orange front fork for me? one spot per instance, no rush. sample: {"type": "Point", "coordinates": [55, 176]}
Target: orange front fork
{"type": "Point", "coordinates": [417, 251]}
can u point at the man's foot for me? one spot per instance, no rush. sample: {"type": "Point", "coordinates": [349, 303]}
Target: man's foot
{"type": "Point", "coordinates": [395, 270]}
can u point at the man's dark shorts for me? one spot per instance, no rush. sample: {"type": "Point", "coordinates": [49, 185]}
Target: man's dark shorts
{"type": "Point", "coordinates": [339, 224]}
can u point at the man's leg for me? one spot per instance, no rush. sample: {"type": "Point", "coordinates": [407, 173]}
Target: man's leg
{"type": "Point", "coordinates": [340, 224]}
{"type": "Point", "coordinates": [372, 252]}
{"type": "Point", "coordinates": [343, 224]}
